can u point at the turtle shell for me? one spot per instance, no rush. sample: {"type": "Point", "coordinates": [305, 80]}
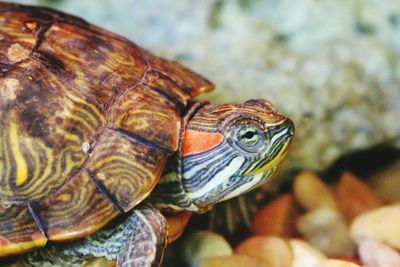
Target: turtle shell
{"type": "Point", "coordinates": [87, 119]}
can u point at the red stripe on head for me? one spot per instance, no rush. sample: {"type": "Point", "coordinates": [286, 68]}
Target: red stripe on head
{"type": "Point", "coordinates": [196, 141]}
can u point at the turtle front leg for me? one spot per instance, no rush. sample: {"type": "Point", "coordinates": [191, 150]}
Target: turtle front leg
{"type": "Point", "coordinates": [147, 240]}
{"type": "Point", "coordinates": [137, 240]}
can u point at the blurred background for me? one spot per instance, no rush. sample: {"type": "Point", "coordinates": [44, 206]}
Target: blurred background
{"type": "Point", "coordinates": [333, 66]}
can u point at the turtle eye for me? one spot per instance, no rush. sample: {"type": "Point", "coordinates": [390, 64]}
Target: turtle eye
{"type": "Point", "coordinates": [250, 138]}
{"type": "Point", "coordinates": [248, 135]}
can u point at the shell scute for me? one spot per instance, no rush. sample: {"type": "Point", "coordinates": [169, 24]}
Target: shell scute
{"type": "Point", "coordinates": [99, 68]}
{"type": "Point", "coordinates": [43, 15]}
{"type": "Point", "coordinates": [18, 231]}
{"type": "Point", "coordinates": [44, 124]}
{"type": "Point", "coordinates": [186, 79]}
{"type": "Point", "coordinates": [167, 87]}
{"type": "Point", "coordinates": [125, 168]}
{"type": "Point", "coordinates": [15, 42]}
{"type": "Point", "coordinates": [76, 210]}
{"type": "Point", "coordinates": [147, 114]}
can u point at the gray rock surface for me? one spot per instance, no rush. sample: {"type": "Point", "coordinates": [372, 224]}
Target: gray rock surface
{"type": "Point", "coordinates": [332, 65]}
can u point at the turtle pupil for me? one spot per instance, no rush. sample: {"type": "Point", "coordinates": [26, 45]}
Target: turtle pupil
{"type": "Point", "coordinates": [249, 135]}
{"type": "Point", "coordinates": [249, 138]}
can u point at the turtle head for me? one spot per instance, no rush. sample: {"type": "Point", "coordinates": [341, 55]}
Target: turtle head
{"type": "Point", "coordinates": [230, 149]}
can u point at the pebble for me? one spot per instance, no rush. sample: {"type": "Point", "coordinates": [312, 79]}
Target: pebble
{"type": "Point", "coordinates": [232, 261]}
{"type": "Point", "coordinates": [326, 230]}
{"type": "Point", "coordinates": [355, 197]}
{"type": "Point", "coordinates": [273, 251]}
{"type": "Point", "coordinates": [202, 244]}
{"type": "Point", "coordinates": [376, 254]}
{"type": "Point", "coordinates": [277, 218]}
{"type": "Point", "coordinates": [305, 255]}
{"type": "Point", "coordinates": [337, 263]}
{"type": "Point", "coordinates": [176, 224]}
{"type": "Point", "coordinates": [381, 224]}
{"type": "Point", "coordinates": [387, 183]}
{"type": "Point", "coordinates": [311, 192]}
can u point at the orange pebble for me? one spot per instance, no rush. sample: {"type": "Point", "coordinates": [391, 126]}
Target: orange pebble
{"type": "Point", "coordinates": [278, 217]}
{"type": "Point", "coordinates": [352, 260]}
{"type": "Point", "coordinates": [337, 263]}
{"type": "Point", "coordinates": [311, 192]}
{"type": "Point", "coordinates": [176, 224]}
{"type": "Point", "coordinates": [231, 261]}
{"type": "Point", "coordinates": [273, 251]}
{"type": "Point", "coordinates": [355, 197]}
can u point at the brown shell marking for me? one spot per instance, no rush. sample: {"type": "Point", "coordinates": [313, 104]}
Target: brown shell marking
{"type": "Point", "coordinates": [100, 68]}
{"type": "Point", "coordinates": [43, 128]}
{"type": "Point", "coordinates": [74, 211]}
{"type": "Point", "coordinates": [125, 168]}
{"type": "Point", "coordinates": [88, 120]}
{"type": "Point", "coordinates": [147, 115]}
{"type": "Point", "coordinates": [23, 232]}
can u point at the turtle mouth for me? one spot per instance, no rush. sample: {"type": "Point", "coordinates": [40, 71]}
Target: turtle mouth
{"type": "Point", "coordinates": [281, 137]}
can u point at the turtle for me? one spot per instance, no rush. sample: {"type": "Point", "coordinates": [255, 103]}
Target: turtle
{"type": "Point", "coordinates": [99, 136]}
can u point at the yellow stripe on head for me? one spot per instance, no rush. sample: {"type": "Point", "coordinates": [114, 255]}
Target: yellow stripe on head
{"type": "Point", "coordinates": [273, 163]}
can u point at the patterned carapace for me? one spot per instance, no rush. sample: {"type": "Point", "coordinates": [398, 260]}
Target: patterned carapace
{"type": "Point", "coordinates": [69, 90]}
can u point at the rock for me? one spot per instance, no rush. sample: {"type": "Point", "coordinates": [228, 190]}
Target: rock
{"type": "Point", "coordinates": [232, 261]}
{"type": "Point", "coordinates": [311, 192]}
{"type": "Point", "coordinates": [176, 224]}
{"type": "Point", "coordinates": [337, 263]}
{"type": "Point", "coordinates": [326, 230]}
{"type": "Point", "coordinates": [273, 251]}
{"type": "Point", "coordinates": [376, 254]}
{"type": "Point", "coordinates": [203, 244]}
{"type": "Point", "coordinates": [348, 259]}
{"type": "Point", "coordinates": [381, 224]}
{"type": "Point", "coordinates": [305, 255]}
{"type": "Point", "coordinates": [355, 197]}
{"type": "Point", "coordinates": [278, 217]}
{"type": "Point", "coordinates": [387, 183]}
